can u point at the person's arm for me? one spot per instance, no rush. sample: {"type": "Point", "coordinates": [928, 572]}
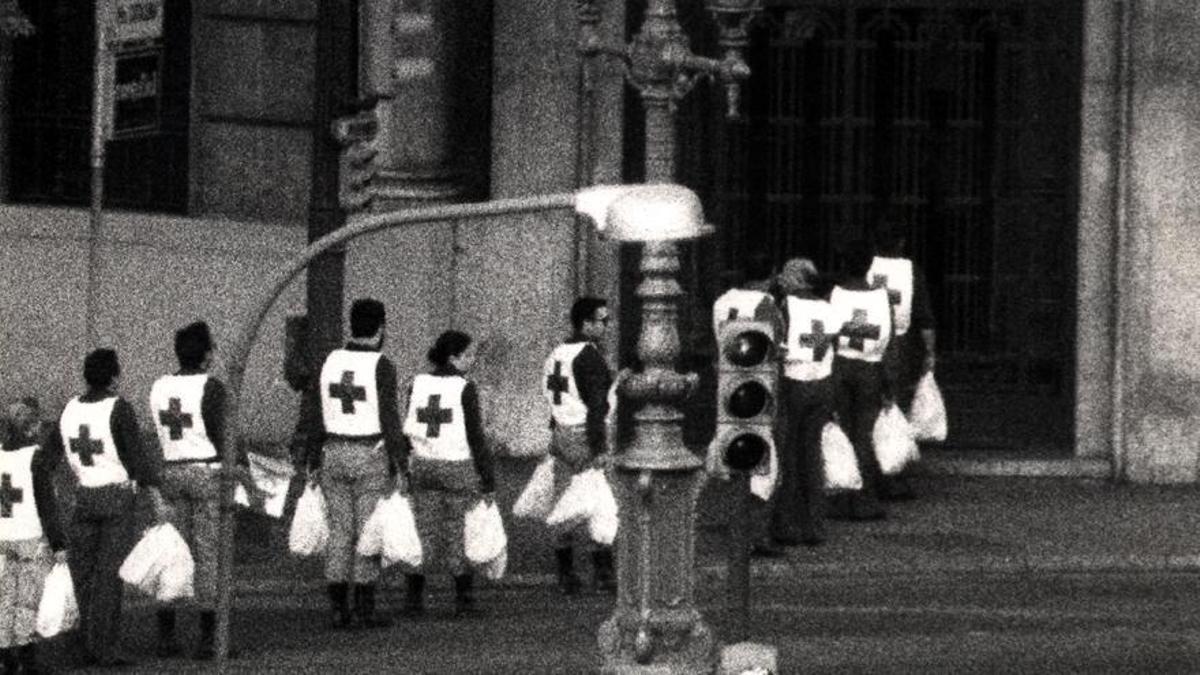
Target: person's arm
{"type": "Point", "coordinates": [394, 442]}
{"type": "Point", "coordinates": [141, 463]}
{"type": "Point", "coordinates": [592, 379]}
{"type": "Point", "coordinates": [45, 498]}
{"type": "Point", "coordinates": [923, 319]}
{"type": "Point", "coordinates": [310, 428]}
{"type": "Point", "coordinates": [212, 411]}
{"type": "Point", "coordinates": [481, 454]}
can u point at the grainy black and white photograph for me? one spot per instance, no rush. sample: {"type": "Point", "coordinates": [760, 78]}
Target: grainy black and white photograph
{"type": "Point", "coordinates": [632, 337]}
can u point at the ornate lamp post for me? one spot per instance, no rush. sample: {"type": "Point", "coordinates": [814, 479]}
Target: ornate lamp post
{"type": "Point", "coordinates": [656, 625]}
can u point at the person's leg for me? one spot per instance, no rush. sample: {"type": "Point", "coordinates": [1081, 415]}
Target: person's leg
{"type": "Point", "coordinates": [868, 402]}
{"type": "Point", "coordinates": [206, 519]}
{"type": "Point", "coordinates": [785, 514]}
{"type": "Point", "coordinates": [118, 532]}
{"type": "Point", "coordinates": [339, 552]}
{"type": "Point", "coordinates": [810, 477]}
{"type": "Point", "coordinates": [371, 484]}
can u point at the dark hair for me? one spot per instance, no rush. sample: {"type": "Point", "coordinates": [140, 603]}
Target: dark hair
{"type": "Point", "coordinates": [858, 258]}
{"type": "Point", "coordinates": [889, 238]}
{"type": "Point", "coordinates": [449, 343]}
{"type": "Point", "coordinates": [366, 316]}
{"type": "Point", "coordinates": [100, 368]}
{"type": "Point", "coordinates": [757, 266]}
{"type": "Point", "coordinates": [584, 309]}
{"type": "Point", "coordinates": [192, 343]}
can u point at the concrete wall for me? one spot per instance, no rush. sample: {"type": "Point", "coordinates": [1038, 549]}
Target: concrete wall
{"type": "Point", "coordinates": [155, 274]}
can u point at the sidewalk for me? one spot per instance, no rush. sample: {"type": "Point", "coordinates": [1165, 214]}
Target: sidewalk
{"type": "Point", "coordinates": [958, 523]}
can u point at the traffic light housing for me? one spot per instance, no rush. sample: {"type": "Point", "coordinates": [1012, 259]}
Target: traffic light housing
{"type": "Point", "coordinates": [356, 171]}
{"type": "Point", "coordinates": [747, 395]}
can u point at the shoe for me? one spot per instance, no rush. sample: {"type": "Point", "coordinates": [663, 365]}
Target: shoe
{"type": "Point", "coordinates": [414, 595]}
{"type": "Point", "coordinates": [765, 549]}
{"type": "Point", "coordinates": [339, 605]}
{"type": "Point", "coordinates": [364, 607]}
{"type": "Point", "coordinates": [568, 582]}
{"type": "Point", "coordinates": [464, 596]}
{"type": "Point", "coordinates": [166, 646]}
{"type": "Point", "coordinates": [786, 539]}
{"type": "Point", "coordinates": [602, 569]}
{"type": "Point", "coordinates": [812, 540]}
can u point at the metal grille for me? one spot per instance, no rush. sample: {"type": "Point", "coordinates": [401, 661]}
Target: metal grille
{"type": "Point", "coordinates": [50, 122]}
{"type": "Point", "coordinates": [927, 117]}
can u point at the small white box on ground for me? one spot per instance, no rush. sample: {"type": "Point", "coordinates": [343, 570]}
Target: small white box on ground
{"type": "Point", "coordinates": [749, 658]}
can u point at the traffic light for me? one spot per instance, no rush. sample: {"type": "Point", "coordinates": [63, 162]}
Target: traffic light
{"type": "Point", "coordinates": [356, 169]}
{"type": "Point", "coordinates": [747, 386]}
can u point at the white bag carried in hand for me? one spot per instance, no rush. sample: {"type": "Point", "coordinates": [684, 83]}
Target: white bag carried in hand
{"type": "Point", "coordinates": [837, 453]}
{"type": "Point", "coordinates": [484, 539]}
{"type": "Point", "coordinates": [58, 610]}
{"type": "Point", "coordinates": [587, 499]}
{"type": "Point", "coordinates": [391, 533]}
{"type": "Point", "coordinates": [928, 413]}
{"type": "Point", "coordinates": [894, 444]}
{"type": "Point", "coordinates": [762, 485]}
{"type": "Point", "coordinates": [537, 498]}
{"type": "Point", "coordinates": [160, 565]}
{"type": "Point", "coordinates": [310, 525]}
{"type": "Point", "coordinates": [271, 478]}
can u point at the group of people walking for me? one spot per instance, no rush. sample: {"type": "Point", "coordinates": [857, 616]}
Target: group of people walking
{"type": "Point", "coordinates": [849, 346]}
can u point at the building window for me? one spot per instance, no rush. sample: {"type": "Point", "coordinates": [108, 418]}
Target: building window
{"type": "Point", "coordinates": [50, 104]}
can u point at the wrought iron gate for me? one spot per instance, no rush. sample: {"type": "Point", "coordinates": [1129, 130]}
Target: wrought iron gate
{"type": "Point", "coordinates": [956, 121]}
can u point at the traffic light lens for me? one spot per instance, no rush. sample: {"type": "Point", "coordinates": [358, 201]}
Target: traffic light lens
{"type": "Point", "coordinates": [745, 452]}
{"type": "Point", "coordinates": [748, 348]}
{"type": "Point", "coordinates": [748, 400]}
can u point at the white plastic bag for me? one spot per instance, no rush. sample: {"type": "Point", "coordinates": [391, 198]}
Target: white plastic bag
{"type": "Point", "coordinates": [484, 539]}
{"type": "Point", "coordinates": [837, 453]}
{"type": "Point", "coordinates": [391, 533]}
{"type": "Point", "coordinates": [587, 499]}
{"type": "Point", "coordinates": [310, 526]}
{"type": "Point", "coordinates": [58, 610]}
{"type": "Point", "coordinates": [894, 444]}
{"type": "Point", "coordinates": [160, 565]}
{"type": "Point", "coordinates": [928, 413]}
{"type": "Point", "coordinates": [762, 485]}
{"type": "Point", "coordinates": [271, 477]}
{"type": "Point", "coordinates": [537, 498]}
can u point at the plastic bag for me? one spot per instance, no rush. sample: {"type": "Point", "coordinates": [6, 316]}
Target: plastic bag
{"type": "Point", "coordinates": [928, 413]}
{"type": "Point", "coordinates": [589, 500]}
{"type": "Point", "coordinates": [484, 539]}
{"type": "Point", "coordinates": [271, 478]}
{"type": "Point", "coordinates": [894, 444]}
{"type": "Point", "coordinates": [160, 565]}
{"type": "Point", "coordinates": [58, 610]}
{"type": "Point", "coordinates": [310, 526]}
{"type": "Point", "coordinates": [391, 533]}
{"type": "Point", "coordinates": [537, 498]}
{"type": "Point", "coordinates": [837, 453]}
{"type": "Point", "coordinates": [763, 484]}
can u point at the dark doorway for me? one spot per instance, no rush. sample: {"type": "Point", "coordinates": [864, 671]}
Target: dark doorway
{"type": "Point", "coordinates": [958, 121]}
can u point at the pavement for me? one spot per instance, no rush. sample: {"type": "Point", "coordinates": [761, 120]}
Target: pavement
{"type": "Point", "coordinates": [957, 523]}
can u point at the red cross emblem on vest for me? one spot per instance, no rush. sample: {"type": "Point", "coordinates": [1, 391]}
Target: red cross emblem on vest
{"type": "Point", "coordinates": [9, 495]}
{"type": "Point", "coordinates": [85, 446]}
{"type": "Point", "coordinates": [434, 416]}
{"type": "Point", "coordinates": [558, 383]}
{"type": "Point", "coordinates": [859, 329]}
{"type": "Point", "coordinates": [347, 392]}
{"type": "Point", "coordinates": [818, 340]}
{"type": "Point", "coordinates": [881, 281]}
{"type": "Point", "coordinates": [174, 419]}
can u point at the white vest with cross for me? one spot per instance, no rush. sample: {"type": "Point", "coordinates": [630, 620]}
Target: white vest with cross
{"type": "Point", "coordinates": [349, 397]}
{"type": "Point", "coordinates": [18, 513]}
{"type": "Point", "coordinates": [810, 337]}
{"type": "Point", "coordinates": [87, 438]}
{"type": "Point", "coordinates": [175, 409]}
{"type": "Point", "coordinates": [863, 320]}
{"type": "Point", "coordinates": [559, 387]}
{"type": "Point", "coordinates": [736, 303]}
{"type": "Point", "coordinates": [896, 275]}
{"type": "Point", "coordinates": [434, 423]}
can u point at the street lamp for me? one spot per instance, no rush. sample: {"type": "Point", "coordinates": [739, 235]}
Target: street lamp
{"type": "Point", "coordinates": [656, 625]}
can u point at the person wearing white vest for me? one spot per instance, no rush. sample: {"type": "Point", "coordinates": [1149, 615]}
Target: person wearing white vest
{"type": "Point", "coordinates": [753, 297]}
{"type": "Point", "coordinates": [450, 463]}
{"type": "Point", "coordinates": [31, 539]}
{"type": "Point", "coordinates": [110, 464]}
{"type": "Point", "coordinates": [807, 396]}
{"type": "Point", "coordinates": [354, 449]}
{"type": "Point", "coordinates": [576, 382]}
{"type": "Point", "coordinates": [863, 319]}
{"type": "Point", "coordinates": [188, 412]}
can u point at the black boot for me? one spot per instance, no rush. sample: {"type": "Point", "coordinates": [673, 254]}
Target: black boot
{"type": "Point", "coordinates": [167, 646]}
{"type": "Point", "coordinates": [27, 658]}
{"type": "Point", "coordinates": [364, 607]}
{"type": "Point", "coordinates": [339, 602]}
{"type": "Point", "coordinates": [464, 595]}
{"type": "Point", "coordinates": [8, 661]}
{"type": "Point", "coordinates": [602, 570]}
{"type": "Point", "coordinates": [568, 583]}
{"type": "Point", "coordinates": [414, 595]}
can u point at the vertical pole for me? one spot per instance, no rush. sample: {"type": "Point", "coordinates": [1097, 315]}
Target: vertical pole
{"type": "Point", "coordinates": [738, 540]}
{"type": "Point", "coordinates": [102, 99]}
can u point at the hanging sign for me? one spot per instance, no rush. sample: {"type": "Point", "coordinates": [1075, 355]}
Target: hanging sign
{"type": "Point", "coordinates": [138, 21]}
{"type": "Point", "coordinates": [137, 92]}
